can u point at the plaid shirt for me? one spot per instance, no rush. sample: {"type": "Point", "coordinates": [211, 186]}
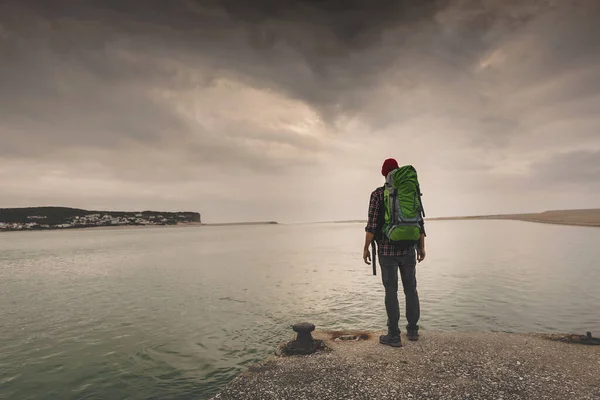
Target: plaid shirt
{"type": "Point", "coordinates": [375, 225]}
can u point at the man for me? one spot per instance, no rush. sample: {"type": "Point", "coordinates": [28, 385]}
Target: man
{"type": "Point", "coordinates": [394, 257]}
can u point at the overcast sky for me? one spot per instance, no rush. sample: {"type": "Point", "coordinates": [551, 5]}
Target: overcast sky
{"type": "Point", "coordinates": [285, 109]}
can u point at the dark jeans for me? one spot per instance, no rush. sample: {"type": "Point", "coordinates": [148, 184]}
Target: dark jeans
{"type": "Point", "coordinates": [389, 273]}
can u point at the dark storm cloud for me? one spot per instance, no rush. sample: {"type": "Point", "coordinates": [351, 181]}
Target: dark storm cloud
{"type": "Point", "coordinates": [330, 54]}
{"type": "Point", "coordinates": [87, 73]}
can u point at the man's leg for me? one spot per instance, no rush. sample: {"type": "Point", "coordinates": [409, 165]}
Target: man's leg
{"type": "Point", "coordinates": [409, 282]}
{"type": "Point", "coordinates": [389, 276]}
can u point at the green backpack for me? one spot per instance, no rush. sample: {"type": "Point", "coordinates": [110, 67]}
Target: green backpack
{"type": "Point", "coordinates": [403, 208]}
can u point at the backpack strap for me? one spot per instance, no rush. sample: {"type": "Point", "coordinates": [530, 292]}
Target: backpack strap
{"type": "Point", "coordinates": [421, 200]}
{"type": "Point", "coordinates": [381, 218]}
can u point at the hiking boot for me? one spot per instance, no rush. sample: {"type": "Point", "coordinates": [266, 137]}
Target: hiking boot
{"type": "Point", "coordinates": [390, 340]}
{"type": "Point", "coordinates": [412, 335]}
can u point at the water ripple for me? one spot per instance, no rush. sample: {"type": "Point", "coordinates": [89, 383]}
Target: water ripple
{"type": "Point", "coordinates": [176, 314]}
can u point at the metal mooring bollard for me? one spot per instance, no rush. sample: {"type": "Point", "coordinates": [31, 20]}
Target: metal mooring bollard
{"type": "Point", "coordinates": [304, 330]}
{"type": "Point", "coordinates": [304, 342]}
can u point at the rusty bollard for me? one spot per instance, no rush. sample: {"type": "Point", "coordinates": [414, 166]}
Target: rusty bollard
{"type": "Point", "coordinates": [304, 342]}
{"type": "Point", "coordinates": [304, 330]}
{"type": "Point", "coordinates": [589, 339]}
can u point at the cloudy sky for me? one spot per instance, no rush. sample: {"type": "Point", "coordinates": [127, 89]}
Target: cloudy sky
{"type": "Point", "coordinates": [285, 109]}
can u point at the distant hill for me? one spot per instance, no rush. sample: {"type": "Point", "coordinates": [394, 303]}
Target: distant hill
{"type": "Point", "coordinates": [65, 217]}
{"type": "Point", "coordinates": [582, 217]}
{"type": "Point", "coordinates": [53, 215]}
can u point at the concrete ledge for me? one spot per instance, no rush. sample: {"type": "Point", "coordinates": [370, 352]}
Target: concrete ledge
{"type": "Point", "coordinates": [441, 365]}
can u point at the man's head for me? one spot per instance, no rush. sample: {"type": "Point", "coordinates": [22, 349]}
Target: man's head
{"type": "Point", "coordinates": [388, 165]}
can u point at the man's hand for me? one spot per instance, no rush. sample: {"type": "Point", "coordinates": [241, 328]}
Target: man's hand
{"type": "Point", "coordinates": [421, 248]}
{"type": "Point", "coordinates": [420, 254]}
{"type": "Point", "coordinates": [367, 256]}
{"type": "Point", "coordinates": [369, 237]}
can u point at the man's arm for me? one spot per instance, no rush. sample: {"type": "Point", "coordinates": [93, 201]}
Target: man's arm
{"type": "Point", "coordinates": [371, 227]}
{"type": "Point", "coordinates": [421, 245]}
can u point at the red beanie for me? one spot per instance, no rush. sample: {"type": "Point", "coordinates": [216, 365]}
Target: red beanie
{"type": "Point", "coordinates": [388, 165]}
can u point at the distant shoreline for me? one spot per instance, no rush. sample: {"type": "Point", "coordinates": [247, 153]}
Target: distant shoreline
{"type": "Point", "coordinates": [588, 218]}
{"type": "Point", "coordinates": [243, 223]}
{"type": "Point", "coordinates": [156, 226]}
{"type": "Point", "coordinates": [183, 225]}
{"type": "Point", "coordinates": [104, 227]}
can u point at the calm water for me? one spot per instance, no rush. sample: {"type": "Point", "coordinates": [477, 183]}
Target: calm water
{"type": "Point", "coordinates": [176, 313]}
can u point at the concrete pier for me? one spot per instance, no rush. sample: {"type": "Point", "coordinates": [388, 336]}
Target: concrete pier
{"type": "Point", "coordinates": [441, 365]}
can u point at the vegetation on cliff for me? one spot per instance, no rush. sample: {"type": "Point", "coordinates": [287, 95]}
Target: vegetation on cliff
{"type": "Point", "coordinates": [65, 217]}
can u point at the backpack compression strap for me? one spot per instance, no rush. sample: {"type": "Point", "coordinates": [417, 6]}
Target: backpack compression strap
{"type": "Point", "coordinates": [374, 257]}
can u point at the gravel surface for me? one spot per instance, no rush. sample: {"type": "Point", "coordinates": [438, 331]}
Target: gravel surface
{"type": "Point", "coordinates": [441, 365]}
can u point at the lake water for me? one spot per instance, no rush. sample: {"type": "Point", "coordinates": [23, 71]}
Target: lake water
{"type": "Point", "coordinates": [176, 313]}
